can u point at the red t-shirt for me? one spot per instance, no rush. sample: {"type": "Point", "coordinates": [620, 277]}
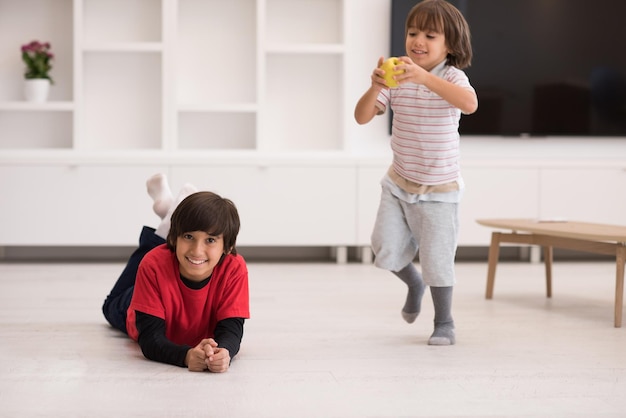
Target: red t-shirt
{"type": "Point", "coordinates": [190, 315]}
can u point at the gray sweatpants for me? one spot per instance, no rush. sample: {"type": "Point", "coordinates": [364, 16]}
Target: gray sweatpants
{"type": "Point", "coordinates": [403, 228]}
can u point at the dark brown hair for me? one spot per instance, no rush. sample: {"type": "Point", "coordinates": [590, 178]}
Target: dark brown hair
{"type": "Point", "coordinates": [208, 212]}
{"type": "Point", "coordinates": [442, 17]}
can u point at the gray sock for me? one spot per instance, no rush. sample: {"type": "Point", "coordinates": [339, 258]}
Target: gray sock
{"type": "Point", "coordinates": [444, 324]}
{"type": "Point", "coordinates": [413, 280]}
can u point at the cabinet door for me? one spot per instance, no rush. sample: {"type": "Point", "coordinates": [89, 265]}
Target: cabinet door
{"type": "Point", "coordinates": [584, 194]}
{"type": "Point", "coordinates": [74, 205]}
{"type": "Point", "coordinates": [368, 201]}
{"type": "Point", "coordinates": [283, 205]}
{"type": "Point", "coordinates": [496, 192]}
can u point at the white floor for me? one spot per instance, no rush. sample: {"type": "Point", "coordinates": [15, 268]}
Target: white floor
{"type": "Point", "coordinates": [325, 340]}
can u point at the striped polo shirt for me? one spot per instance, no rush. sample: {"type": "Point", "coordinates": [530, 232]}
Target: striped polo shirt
{"type": "Point", "coordinates": [425, 130]}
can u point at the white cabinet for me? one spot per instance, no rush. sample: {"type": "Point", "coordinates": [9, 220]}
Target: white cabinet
{"type": "Point", "coordinates": [592, 194]}
{"type": "Point", "coordinates": [577, 179]}
{"type": "Point", "coordinates": [283, 204]}
{"type": "Point", "coordinates": [49, 204]}
{"type": "Point", "coordinates": [280, 204]}
{"type": "Point", "coordinates": [368, 199]}
{"type": "Point", "coordinates": [495, 191]}
{"type": "Point", "coordinates": [291, 200]}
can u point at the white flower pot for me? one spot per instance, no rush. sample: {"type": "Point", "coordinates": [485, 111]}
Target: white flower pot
{"type": "Point", "coordinates": [36, 90]}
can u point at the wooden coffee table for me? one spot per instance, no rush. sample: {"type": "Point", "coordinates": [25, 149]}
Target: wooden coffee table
{"type": "Point", "coordinates": [579, 236]}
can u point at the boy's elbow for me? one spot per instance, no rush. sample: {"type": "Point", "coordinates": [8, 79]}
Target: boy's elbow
{"type": "Point", "coordinates": [363, 116]}
{"type": "Point", "coordinates": [360, 119]}
{"type": "Point", "coordinates": [471, 107]}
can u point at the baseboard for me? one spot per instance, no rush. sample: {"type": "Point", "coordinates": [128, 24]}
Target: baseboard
{"type": "Point", "coordinates": [267, 254]}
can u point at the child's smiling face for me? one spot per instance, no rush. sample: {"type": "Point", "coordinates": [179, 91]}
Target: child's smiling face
{"type": "Point", "coordinates": [426, 48]}
{"type": "Point", "coordinates": [198, 253]}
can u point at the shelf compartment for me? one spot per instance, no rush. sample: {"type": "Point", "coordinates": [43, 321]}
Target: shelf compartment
{"type": "Point", "coordinates": [43, 20]}
{"type": "Point", "coordinates": [302, 109]}
{"type": "Point", "coordinates": [322, 22]}
{"type": "Point", "coordinates": [25, 129]}
{"type": "Point", "coordinates": [103, 21]}
{"type": "Point", "coordinates": [215, 51]}
{"type": "Point", "coordinates": [122, 101]}
{"type": "Point", "coordinates": [217, 130]}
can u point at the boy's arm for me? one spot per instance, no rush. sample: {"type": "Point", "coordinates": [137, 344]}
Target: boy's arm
{"type": "Point", "coordinates": [366, 109]}
{"type": "Point", "coordinates": [228, 334]}
{"type": "Point", "coordinates": [155, 345]}
{"type": "Point", "coordinates": [458, 96]}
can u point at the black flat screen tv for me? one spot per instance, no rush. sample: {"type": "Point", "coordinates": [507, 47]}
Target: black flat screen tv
{"type": "Point", "coordinates": [541, 67]}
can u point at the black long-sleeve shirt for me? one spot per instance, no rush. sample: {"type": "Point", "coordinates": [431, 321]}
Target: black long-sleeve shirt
{"type": "Point", "coordinates": [155, 345]}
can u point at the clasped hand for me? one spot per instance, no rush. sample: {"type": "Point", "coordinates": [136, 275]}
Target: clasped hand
{"type": "Point", "coordinates": [411, 72]}
{"type": "Point", "coordinates": [208, 356]}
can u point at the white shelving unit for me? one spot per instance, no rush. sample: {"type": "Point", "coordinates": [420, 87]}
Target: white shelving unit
{"type": "Point", "coordinates": [178, 75]}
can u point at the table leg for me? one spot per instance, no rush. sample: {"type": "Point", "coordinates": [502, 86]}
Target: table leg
{"type": "Point", "coordinates": [494, 254]}
{"type": "Point", "coordinates": [547, 258]}
{"type": "Point", "coordinates": [619, 284]}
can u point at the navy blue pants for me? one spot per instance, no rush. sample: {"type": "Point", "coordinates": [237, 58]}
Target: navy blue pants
{"type": "Point", "coordinates": [118, 301]}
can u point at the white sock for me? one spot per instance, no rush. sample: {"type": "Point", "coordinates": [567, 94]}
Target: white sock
{"type": "Point", "coordinates": [159, 191]}
{"type": "Point", "coordinates": [164, 228]}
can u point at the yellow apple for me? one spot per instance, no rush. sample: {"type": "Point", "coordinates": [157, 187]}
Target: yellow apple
{"type": "Point", "coordinates": [388, 66]}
